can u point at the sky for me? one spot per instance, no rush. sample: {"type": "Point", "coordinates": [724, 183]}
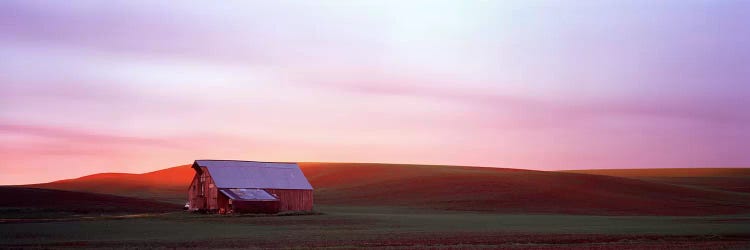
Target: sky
{"type": "Point", "coordinates": [136, 86]}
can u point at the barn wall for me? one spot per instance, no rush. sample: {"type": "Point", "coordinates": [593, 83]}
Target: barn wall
{"type": "Point", "coordinates": [212, 195]}
{"type": "Point", "coordinates": [196, 201]}
{"type": "Point", "coordinates": [222, 201]}
{"type": "Point", "coordinates": [207, 201]}
{"type": "Point", "coordinates": [293, 199]}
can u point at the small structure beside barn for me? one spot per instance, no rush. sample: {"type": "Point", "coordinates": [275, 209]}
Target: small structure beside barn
{"type": "Point", "coordinates": [227, 186]}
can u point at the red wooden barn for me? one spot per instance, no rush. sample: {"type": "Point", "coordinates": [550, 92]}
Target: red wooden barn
{"type": "Point", "coordinates": [249, 187]}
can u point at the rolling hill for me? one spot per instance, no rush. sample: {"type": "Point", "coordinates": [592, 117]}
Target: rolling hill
{"type": "Point", "coordinates": [46, 200]}
{"type": "Point", "coordinates": [668, 172]}
{"type": "Point", "coordinates": [166, 185]}
{"type": "Point", "coordinates": [453, 188]}
{"type": "Point", "coordinates": [726, 179]}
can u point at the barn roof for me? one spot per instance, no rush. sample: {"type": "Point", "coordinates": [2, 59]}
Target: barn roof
{"type": "Point", "coordinates": [253, 174]}
{"type": "Point", "coordinates": [248, 194]}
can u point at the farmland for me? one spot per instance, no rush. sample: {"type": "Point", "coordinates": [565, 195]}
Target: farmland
{"type": "Point", "coordinates": [726, 179]}
{"type": "Point", "coordinates": [459, 188]}
{"type": "Point", "coordinates": [391, 206]}
{"type": "Point", "coordinates": [33, 203]}
{"type": "Point", "coordinates": [384, 227]}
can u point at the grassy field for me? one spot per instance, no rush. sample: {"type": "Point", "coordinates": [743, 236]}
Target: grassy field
{"type": "Point", "coordinates": [387, 227]}
{"type": "Point", "coordinates": [30, 203]}
{"type": "Point", "coordinates": [396, 206]}
{"type": "Point", "coordinates": [726, 179]}
{"type": "Point", "coordinates": [497, 190]}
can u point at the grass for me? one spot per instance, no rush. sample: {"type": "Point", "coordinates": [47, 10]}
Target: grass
{"type": "Point", "coordinates": [379, 226]}
{"type": "Point", "coordinates": [484, 208]}
{"type": "Point", "coordinates": [467, 189]}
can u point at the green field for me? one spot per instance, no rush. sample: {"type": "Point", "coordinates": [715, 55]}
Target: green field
{"type": "Point", "coordinates": [350, 227]}
{"type": "Point", "coordinates": [396, 206]}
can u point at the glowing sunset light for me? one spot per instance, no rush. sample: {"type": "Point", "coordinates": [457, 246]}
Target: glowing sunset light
{"type": "Point", "coordinates": [135, 86]}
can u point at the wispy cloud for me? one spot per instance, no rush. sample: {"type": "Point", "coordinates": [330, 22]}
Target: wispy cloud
{"type": "Point", "coordinates": [703, 110]}
{"type": "Point", "coordinates": [78, 136]}
{"type": "Point", "coordinates": [138, 85]}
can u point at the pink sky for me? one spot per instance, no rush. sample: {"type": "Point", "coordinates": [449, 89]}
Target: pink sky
{"type": "Point", "coordinates": [131, 86]}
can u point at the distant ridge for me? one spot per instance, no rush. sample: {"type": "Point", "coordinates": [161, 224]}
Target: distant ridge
{"type": "Point", "coordinates": [481, 189]}
{"type": "Point", "coordinates": [667, 172]}
{"type": "Point", "coordinates": [725, 179]}
{"type": "Point", "coordinates": [166, 185]}
{"type": "Point", "coordinates": [49, 200]}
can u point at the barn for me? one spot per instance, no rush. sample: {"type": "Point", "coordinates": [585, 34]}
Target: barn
{"type": "Point", "coordinates": [229, 186]}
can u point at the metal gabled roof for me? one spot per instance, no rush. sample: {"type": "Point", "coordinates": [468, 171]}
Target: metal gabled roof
{"type": "Point", "coordinates": [253, 174]}
{"type": "Point", "coordinates": [248, 194]}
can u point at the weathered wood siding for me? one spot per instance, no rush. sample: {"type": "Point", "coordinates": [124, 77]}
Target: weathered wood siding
{"type": "Point", "coordinates": [223, 202]}
{"type": "Point", "coordinates": [196, 202]}
{"type": "Point", "coordinates": [293, 199]}
{"type": "Point", "coordinates": [209, 199]}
